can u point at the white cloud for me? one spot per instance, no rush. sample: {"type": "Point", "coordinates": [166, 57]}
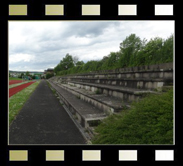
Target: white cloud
{"type": "Point", "coordinates": [44, 43]}
{"type": "Point", "coordinates": [21, 57]}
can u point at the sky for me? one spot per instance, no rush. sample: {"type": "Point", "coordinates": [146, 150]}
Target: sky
{"type": "Point", "coordinates": [39, 45]}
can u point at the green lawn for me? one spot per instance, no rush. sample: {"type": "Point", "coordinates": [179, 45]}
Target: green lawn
{"type": "Point", "coordinates": [14, 78]}
{"type": "Point", "coordinates": [17, 101]}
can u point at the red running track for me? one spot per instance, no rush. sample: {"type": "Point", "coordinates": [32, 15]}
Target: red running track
{"type": "Point", "coordinates": [16, 89]}
{"type": "Point", "coordinates": [14, 82]}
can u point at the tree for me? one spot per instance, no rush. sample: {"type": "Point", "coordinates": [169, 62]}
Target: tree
{"type": "Point", "coordinates": [133, 52]}
{"type": "Point", "coordinates": [33, 77]}
{"type": "Point", "coordinates": [27, 73]}
{"type": "Point", "coordinates": [91, 66]}
{"type": "Point", "coordinates": [75, 60]}
{"type": "Point", "coordinates": [67, 62]}
{"type": "Point", "coordinates": [21, 75]}
{"type": "Point", "coordinates": [128, 49]}
{"type": "Point", "coordinates": [111, 61]}
{"type": "Point", "coordinates": [80, 63]}
{"type": "Point", "coordinates": [49, 75]}
{"type": "Point", "coordinates": [167, 50]}
{"type": "Point", "coordinates": [152, 50]}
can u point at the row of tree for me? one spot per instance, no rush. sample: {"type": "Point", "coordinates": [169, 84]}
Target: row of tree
{"type": "Point", "coordinates": [28, 75]}
{"type": "Point", "coordinates": [133, 52]}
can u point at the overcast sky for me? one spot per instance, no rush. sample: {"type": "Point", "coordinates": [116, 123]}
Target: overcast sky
{"type": "Point", "coordinates": [38, 45]}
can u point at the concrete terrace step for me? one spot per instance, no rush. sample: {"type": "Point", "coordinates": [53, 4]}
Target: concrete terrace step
{"type": "Point", "coordinates": [146, 68]}
{"type": "Point", "coordinates": [86, 114]}
{"type": "Point", "coordinates": [108, 104]}
{"type": "Point", "coordinates": [124, 93]}
{"type": "Point", "coordinates": [138, 83]}
{"type": "Point", "coordinates": [156, 73]}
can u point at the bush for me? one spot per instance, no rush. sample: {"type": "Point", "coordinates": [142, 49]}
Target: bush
{"type": "Point", "coordinates": [149, 121]}
{"type": "Point", "coordinates": [49, 75]}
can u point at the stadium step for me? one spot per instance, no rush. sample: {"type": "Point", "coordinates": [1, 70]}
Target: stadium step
{"type": "Point", "coordinates": [125, 93]}
{"type": "Point", "coordinates": [86, 114]}
{"type": "Point", "coordinates": [93, 96]}
{"type": "Point", "coordinates": [108, 104]}
{"type": "Point", "coordinates": [136, 83]}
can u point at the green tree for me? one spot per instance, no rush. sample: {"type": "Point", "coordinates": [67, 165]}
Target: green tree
{"type": "Point", "coordinates": [49, 75]}
{"type": "Point", "coordinates": [133, 52]}
{"type": "Point", "coordinates": [80, 63]}
{"type": "Point", "coordinates": [33, 77]}
{"type": "Point", "coordinates": [153, 50]}
{"type": "Point", "coordinates": [21, 75]}
{"type": "Point", "coordinates": [167, 50]}
{"type": "Point", "coordinates": [27, 73]}
{"type": "Point", "coordinates": [111, 61]}
{"type": "Point", "coordinates": [57, 68]}
{"type": "Point", "coordinates": [128, 49]}
{"type": "Point", "coordinates": [67, 62]}
{"type": "Point", "coordinates": [75, 60]}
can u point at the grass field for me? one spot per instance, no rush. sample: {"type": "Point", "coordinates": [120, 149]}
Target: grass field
{"type": "Point", "coordinates": [17, 101]}
{"type": "Point", "coordinates": [14, 78]}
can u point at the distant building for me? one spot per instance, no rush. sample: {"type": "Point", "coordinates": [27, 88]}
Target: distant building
{"type": "Point", "coordinates": [49, 70]}
{"type": "Point", "coordinates": [18, 73]}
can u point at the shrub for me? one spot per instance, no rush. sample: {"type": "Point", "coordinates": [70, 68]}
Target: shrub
{"type": "Point", "coordinates": [149, 121]}
{"type": "Point", "coordinates": [49, 75]}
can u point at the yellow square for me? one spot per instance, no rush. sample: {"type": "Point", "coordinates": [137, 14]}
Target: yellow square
{"type": "Point", "coordinates": [127, 155]}
{"type": "Point", "coordinates": [90, 9]}
{"type": "Point", "coordinates": [17, 9]}
{"type": "Point", "coordinates": [127, 9]}
{"type": "Point", "coordinates": [18, 155]}
{"type": "Point", "coordinates": [54, 155]}
{"type": "Point", "coordinates": [91, 155]}
{"type": "Point", "coordinates": [54, 10]}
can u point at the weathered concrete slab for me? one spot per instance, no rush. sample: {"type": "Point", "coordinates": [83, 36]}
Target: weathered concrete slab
{"type": "Point", "coordinates": [84, 112]}
{"type": "Point", "coordinates": [108, 104]}
{"type": "Point", "coordinates": [136, 83]}
{"type": "Point", "coordinates": [124, 93]}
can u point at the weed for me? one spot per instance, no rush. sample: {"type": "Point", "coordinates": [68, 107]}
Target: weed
{"type": "Point", "coordinates": [138, 86]}
{"type": "Point", "coordinates": [53, 90]}
{"type": "Point", "coordinates": [98, 91]}
{"type": "Point", "coordinates": [75, 117]}
{"type": "Point", "coordinates": [61, 104]}
{"type": "Point", "coordinates": [78, 97]}
{"type": "Point", "coordinates": [86, 131]}
{"type": "Point", "coordinates": [94, 123]}
{"type": "Point", "coordinates": [124, 105]}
